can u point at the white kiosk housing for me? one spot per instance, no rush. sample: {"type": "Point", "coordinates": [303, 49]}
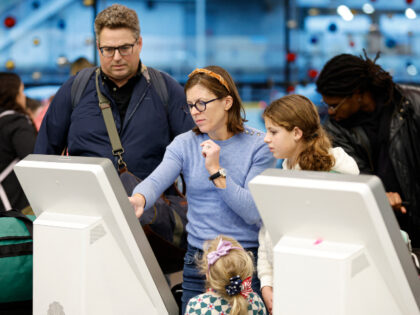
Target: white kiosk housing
{"type": "Point", "coordinates": [338, 249]}
{"type": "Point", "coordinates": [90, 253]}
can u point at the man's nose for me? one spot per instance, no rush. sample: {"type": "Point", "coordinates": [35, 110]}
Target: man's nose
{"type": "Point", "coordinates": [117, 55]}
{"type": "Point", "coordinates": [331, 111]}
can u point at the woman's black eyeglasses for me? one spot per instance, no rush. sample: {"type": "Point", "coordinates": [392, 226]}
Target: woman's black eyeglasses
{"type": "Point", "coordinates": [199, 105]}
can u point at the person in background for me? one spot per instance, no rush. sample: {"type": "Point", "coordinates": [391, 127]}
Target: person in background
{"type": "Point", "coordinates": [35, 109]}
{"type": "Point", "coordinates": [79, 64]}
{"type": "Point", "coordinates": [144, 124]}
{"type": "Point", "coordinates": [294, 133]}
{"type": "Point", "coordinates": [228, 269]}
{"type": "Point", "coordinates": [17, 139]}
{"type": "Point", "coordinates": [377, 122]}
{"type": "Point", "coordinates": [41, 109]}
{"type": "Point", "coordinates": [217, 158]}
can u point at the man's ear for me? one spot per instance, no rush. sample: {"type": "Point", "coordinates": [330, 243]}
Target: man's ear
{"type": "Point", "coordinates": [228, 102]}
{"type": "Point", "coordinates": [140, 42]}
{"type": "Point", "coordinates": [297, 133]}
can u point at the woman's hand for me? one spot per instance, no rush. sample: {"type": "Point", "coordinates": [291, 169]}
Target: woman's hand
{"type": "Point", "coordinates": [396, 202]}
{"type": "Point", "coordinates": [211, 151]}
{"type": "Point", "coordinates": [138, 202]}
{"type": "Point", "coordinates": [267, 295]}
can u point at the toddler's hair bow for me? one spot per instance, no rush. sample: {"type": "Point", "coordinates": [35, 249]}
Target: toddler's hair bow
{"type": "Point", "coordinates": [237, 286]}
{"type": "Point", "coordinates": [222, 249]}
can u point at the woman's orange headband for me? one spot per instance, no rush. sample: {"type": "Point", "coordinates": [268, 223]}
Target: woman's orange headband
{"type": "Point", "coordinates": [212, 74]}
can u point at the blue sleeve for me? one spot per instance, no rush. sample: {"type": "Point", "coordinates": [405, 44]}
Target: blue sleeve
{"type": "Point", "coordinates": [179, 121]}
{"type": "Point", "coordinates": [239, 198]}
{"type": "Point", "coordinates": [161, 178]}
{"type": "Point", "coordinates": [52, 136]}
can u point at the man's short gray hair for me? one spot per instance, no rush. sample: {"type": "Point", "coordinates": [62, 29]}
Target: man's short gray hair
{"type": "Point", "coordinates": [117, 16]}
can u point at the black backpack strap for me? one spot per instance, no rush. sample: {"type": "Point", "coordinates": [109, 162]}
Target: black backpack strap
{"type": "Point", "coordinates": [18, 215]}
{"type": "Point", "coordinates": [79, 85]}
{"type": "Point", "coordinates": [158, 83]}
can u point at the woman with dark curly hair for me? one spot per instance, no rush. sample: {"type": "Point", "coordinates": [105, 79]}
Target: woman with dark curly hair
{"type": "Point", "coordinates": [17, 139]}
{"type": "Point", "coordinates": [377, 122]}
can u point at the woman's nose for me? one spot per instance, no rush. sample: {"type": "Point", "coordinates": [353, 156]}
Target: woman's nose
{"type": "Point", "coordinates": [194, 111]}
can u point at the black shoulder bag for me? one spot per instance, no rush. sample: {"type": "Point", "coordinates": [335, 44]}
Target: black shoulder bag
{"type": "Point", "coordinates": [164, 226]}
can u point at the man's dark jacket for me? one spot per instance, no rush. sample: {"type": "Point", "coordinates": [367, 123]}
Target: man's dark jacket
{"type": "Point", "coordinates": [146, 131]}
{"type": "Point", "coordinates": [404, 146]}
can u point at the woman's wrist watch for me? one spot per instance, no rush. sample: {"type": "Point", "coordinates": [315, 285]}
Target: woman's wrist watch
{"type": "Point", "coordinates": [220, 173]}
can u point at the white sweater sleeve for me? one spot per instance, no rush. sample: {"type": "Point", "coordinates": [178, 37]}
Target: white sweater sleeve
{"type": "Point", "coordinates": [264, 263]}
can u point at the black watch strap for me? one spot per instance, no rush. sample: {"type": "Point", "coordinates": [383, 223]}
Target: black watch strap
{"type": "Point", "coordinates": [215, 175]}
{"type": "Point", "coordinates": [220, 173]}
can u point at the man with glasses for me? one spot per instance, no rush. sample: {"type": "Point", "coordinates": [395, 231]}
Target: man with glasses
{"type": "Point", "coordinates": [145, 125]}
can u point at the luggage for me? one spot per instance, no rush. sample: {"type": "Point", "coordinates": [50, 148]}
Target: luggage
{"type": "Point", "coordinates": [15, 257]}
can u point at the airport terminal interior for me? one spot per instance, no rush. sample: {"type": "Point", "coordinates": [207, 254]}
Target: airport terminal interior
{"type": "Point", "coordinates": [349, 257]}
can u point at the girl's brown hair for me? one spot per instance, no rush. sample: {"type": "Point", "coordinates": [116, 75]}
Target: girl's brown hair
{"type": "Point", "coordinates": [236, 114]}
{"type": "Point", "coordinates": [237, 262]}
{"type": "Point", "coordinates": [298, 111]}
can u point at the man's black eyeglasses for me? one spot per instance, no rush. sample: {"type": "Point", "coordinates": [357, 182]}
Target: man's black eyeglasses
{"type": "Point", "coordinates": [124, 50]}
{"type": "Point", "coordinates": [199, 105]}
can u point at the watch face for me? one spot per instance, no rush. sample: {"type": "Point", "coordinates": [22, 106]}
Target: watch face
{"type": "Point", "coordinates": [222, 172]}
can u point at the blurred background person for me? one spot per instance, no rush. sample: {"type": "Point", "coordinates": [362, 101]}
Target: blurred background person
{"type": "Point", "coordinates": [79, 64]}
{"type": "Point", "coordinates": [36, 109]}
{"type": "Point", "coordinates": [17, 139]}
{"type": "Point", "coordinates": [377, 122]}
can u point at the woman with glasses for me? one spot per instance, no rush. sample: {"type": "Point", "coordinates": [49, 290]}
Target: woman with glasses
{"type": "Point", "coordinates": [377, 122]}
{"type": "Point", "coordinates": [217, 158]}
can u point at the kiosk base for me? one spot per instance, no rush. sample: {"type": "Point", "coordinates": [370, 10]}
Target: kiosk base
{"type": "Point", "coordinates": [78, 269]}
{"type": "Point", "coordinates": [326, 278]}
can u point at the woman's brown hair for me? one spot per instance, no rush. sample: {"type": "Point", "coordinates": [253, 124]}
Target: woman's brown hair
{"type": "Point", "coordinates": [9, 90]}
{"type": "Point", "coordinates": [298, 111]}
{"type": "Point", "coordinates": [236, 114]}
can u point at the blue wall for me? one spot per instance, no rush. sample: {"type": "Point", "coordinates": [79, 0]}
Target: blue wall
{"type": "Point", "coordinates": [246, 37]}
